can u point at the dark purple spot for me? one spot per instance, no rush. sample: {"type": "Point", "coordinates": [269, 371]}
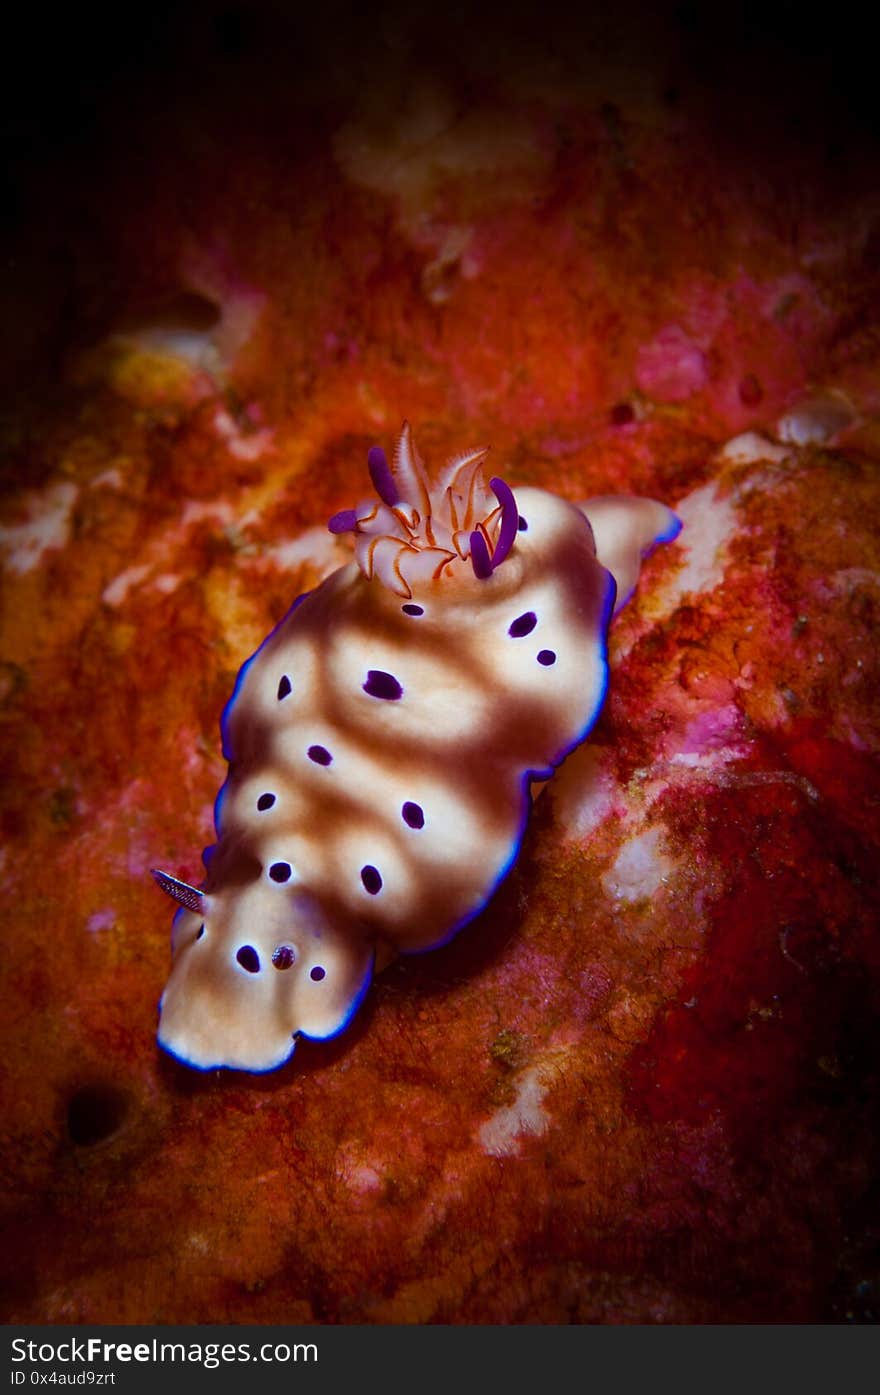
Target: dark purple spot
{"type": "Point", "coordinates": [317, 973]}
{"type": "Point", "coordinates": [343, 522]}
{"type": "Point", "coordinates": [380, 474]}
{"type": "Point", "coordinates": [201, 932]}
{"type": "Point", "coordinates": [413, 814]}
{"type": "Point", "coordinates": [411, 609]}
{"type": "Point", "coordinates": [320, 755]}
{"type": "Point", "coordinates": [283, 957]}
{"type": "Point", "coordinates": [750, 391]}
{"type": "Point", "coordinates": [284, 688]}
{"type": "Point", "coordinates": [265, 802]}
{"type": "Point", "coordinates": [522, 525]}
{"type": "Point", "coordinates": [371, 880]}
{"type": "Point", "coordinates": [523, 625]}
{"type": "Point", "coordinates": [480, 559]}
{"type": "Point", "coordinates": [382, 685]}
{"type": "Point", "coordinates": [280, 871]}
{"type": "Point", "coordinates": [249, 959]}
{"type": "Point", "coordinates": [622, 414]}
{"type": "Point", "coordinates": [546, 657]}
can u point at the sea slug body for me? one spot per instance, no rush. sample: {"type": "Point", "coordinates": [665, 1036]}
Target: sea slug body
{"type": "Point", "coordinates": [382, 742]}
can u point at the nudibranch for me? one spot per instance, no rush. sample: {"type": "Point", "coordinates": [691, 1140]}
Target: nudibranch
{"type": "Point", "coordinates": [382, 742]}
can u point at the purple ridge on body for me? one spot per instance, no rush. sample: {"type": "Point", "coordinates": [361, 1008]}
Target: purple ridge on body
{"type": "Point", "coordinates": [343, 522]}
{"type": "Point", "coordinates": [380, 474]}
{"type": "Point", "coordinates": [509, 519]}
{"type": "Point", "coordinates": [480, 559]}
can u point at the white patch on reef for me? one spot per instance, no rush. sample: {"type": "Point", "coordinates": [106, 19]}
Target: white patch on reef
{"type": "Point", "coordinates": [196, 511]}
{"type": "Point", "coordinates": [116, 592]}
{"type": "Point", "coordinates": [364, 1179]}
{"type": "Point", "coordinates": [428, 139]}
{"type": "Point", "coordinates": [751, 447]}
{"type": "Point", "coordinates": [710, 759]}
{"type": "Point", "coordinates": [108, 479]}
{"type": "Point", "coordinates": [46, 526]}
{"type": "Point", "coordinates": [849, 579]}
{"type": "Point", "coordinates": [816, 420]}
{"type": "Point", "coordinates": [317, 546]}
{"type": "Point", "coordinates": [166, 583]}
{"type": "Point", "coordinates": [159, 551]}
{"type": "Point", "coordinates": [101, 920]}
{"type": "Point", "coordinates": [499, 1136]}
{"type": "Point", "coordinates": [709, 523]}
{"type": "Point", "coordinates": [639, 868]}
{"type": "Point", "coordinates": [583, 792]}
{"type": "Point", "coordinates": [243, 444]}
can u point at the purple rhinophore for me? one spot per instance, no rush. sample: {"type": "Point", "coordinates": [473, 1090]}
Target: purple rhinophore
{"type": "Point", "coordinates": [546, 657]}
{"type": "Point", "coordinates": [509, 519]}
{"type": "Point", "coordinates": [343, 522]}
{"type": "Point", "coordinates": [380, 474]}
{"type": "Point", "coordinates": [413, 814]}
{"type": "Point", "coordinates": [523, 625]}
{"type": "Point", "coordinates": [320, 755]}
{"type": "Point", "coordinates": [382, 685]}
{"type": "Point", "coordinates": [371, 879]}
{"type": "Point", "coordinates": [249, 959]}
{"type": "Point", "coordinates": [480, 559]}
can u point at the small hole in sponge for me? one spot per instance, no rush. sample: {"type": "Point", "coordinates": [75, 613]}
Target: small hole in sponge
{"type": "Point", "coordinates": [249, 959]}
{"type": "Point", "coordinates": [280, 871]}
{"type": "Point", "coordinates": [95, 1113]}
{"type": "Point", "coordinates": [317, 973]}
{"type": "Point", "coordinates": [284, 956]}
{"type": "Point", "coordinates": [285, 688]}
{"type": "Point", "coordinates": [265, 802]}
